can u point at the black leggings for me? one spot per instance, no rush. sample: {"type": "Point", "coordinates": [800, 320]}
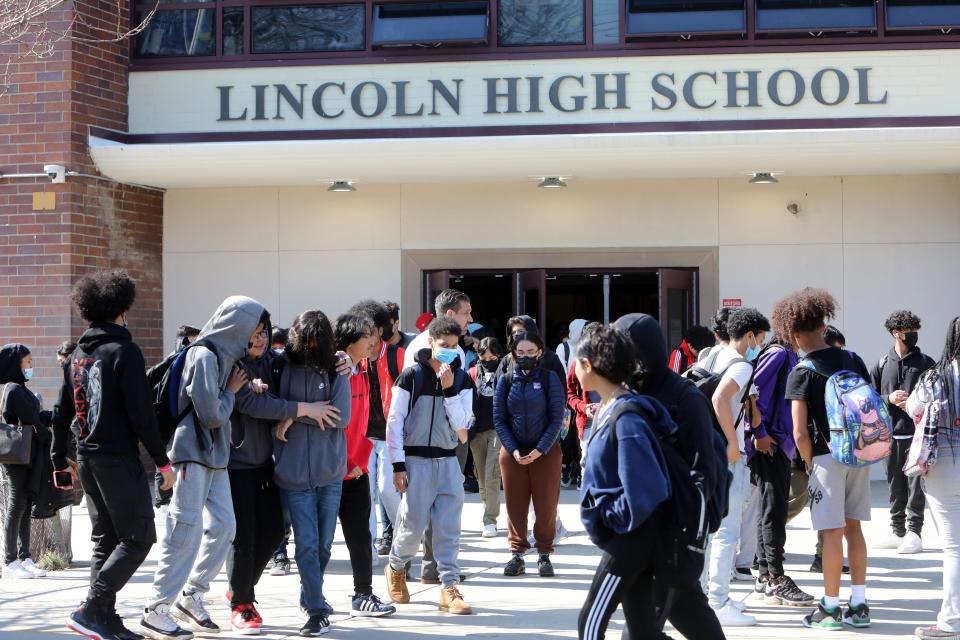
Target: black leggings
{"type": "Point", "coordinates": [256, 504]}
{"type": "Point", "coordinates": [355, 524]}
{"type": "Point", "coordinates": [16, 524]}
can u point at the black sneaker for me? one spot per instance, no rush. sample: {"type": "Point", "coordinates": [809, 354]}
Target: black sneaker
{"type": "Point", "coordinates": [821, 618]}
{"type": "Point", "coordinates": [858, 616]}
{"type": "Point", "coordinates": [88, 620]}
{"type": "Point", "coordinates": [316, 625]}
{"type": "Point", "coordinates": [783, 590]}
{"type": "Point", "coordinates": [280, 566]}
{"type": "Point", "coordinates": [743, 574]}
{"type": "Point", "coordinates": [760, 586]}
{"type": "Point", "coordinates": [817, 566]}
{"type": "Point", "coordinates": [565, 477]}
{"type": "Point", "coordinates": [115, 623]}
{"type": "Point", "coordinates": [544, 566]}
{"type": "Point", "coordinates": [383, 547]}
{"type": "Point", "coordinates": [516, 566]}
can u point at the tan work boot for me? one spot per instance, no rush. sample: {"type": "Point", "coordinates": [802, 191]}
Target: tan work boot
{"type": "Point", "coordinates": [397, 585]}
{"type": "Point", "coordinates": [452, 602]}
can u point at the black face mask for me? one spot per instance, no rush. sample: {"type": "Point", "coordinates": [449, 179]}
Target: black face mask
{"type": "Point", "coordinates": [910, 338]}
{"type": "Point", "coordinates": [490, 365]}
{"type": "Point", "coordinates": [527, 362]}
{"type": "Point", "coordinates": [387, 333]}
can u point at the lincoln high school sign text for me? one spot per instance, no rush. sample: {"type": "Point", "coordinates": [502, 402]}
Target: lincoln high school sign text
{"type": "Point", "coordinates": [537, 94]}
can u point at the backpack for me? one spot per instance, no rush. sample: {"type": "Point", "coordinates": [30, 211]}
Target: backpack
{"type": "Point", "coordinates": [166, 393]}
{"type": "Point", "coordinates": [566, 352]}
{"type": "Point", "coordinates": [682, 537]}
{"type": "Point", "coordinates": [458, 383]}
{"type": "Point", "coordinates": [707, 382]}
{"type": "Point", "coordinates": [860, 426]}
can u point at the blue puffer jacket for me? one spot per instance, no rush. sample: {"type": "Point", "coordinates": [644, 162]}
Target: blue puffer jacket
{"type": "Point", "coordinates": [522, 415]}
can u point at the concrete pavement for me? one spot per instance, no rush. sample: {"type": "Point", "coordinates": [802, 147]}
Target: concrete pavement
{"type": "Point", "coordinates": [904, 591]}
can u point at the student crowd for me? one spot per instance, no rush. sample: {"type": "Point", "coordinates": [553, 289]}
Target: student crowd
{"type": "Point", "coordinates": [689, 464]}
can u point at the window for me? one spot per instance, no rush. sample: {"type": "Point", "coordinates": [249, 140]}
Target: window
{"type": "Point", "coordinates": [816, 15]}
{"type": "Point", "coordinates": [232, 31]}
{"type": "Point", "coordinates": [331, 27]}
{"type": "Point", "coordinates": [922, 14]}
{"type": "Point", "coordinates": [606, 21]}
{"type": "Point", "coordinates": [430, 23]}
{"type": "Point", "coordinates": [541, 22]}
{"type": "Point", "coordinates": [177, 33]}
{"type": "Point", "coordinates": [684, 17]}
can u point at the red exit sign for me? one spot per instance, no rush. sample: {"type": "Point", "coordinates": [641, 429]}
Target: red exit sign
{"type": "Point", "coordinates": [732, 303]}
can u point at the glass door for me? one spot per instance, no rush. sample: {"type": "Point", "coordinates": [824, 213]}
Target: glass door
{"type": "Point", "coordinates": [677, 303]}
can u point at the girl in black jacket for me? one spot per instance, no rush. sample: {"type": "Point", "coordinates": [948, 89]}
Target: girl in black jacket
{"type": "Point", "coordinates": [20, 407]}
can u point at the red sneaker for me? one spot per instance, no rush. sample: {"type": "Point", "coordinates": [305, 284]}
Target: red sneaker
{"type": "Point", "coordinates": [256, 614]}
{"type": "Point", "coordinates": [228, 596]}
{"type": "Point", "coordinates": [245, 620]}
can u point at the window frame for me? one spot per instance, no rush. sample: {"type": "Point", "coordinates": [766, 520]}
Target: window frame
{"type": "Point", "coordinates": [629, 45]}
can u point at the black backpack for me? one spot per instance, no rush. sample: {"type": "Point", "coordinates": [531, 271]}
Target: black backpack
{"type": "Point", "coordinates": [707, 382]}
{"type": "Point", "coordinates": [682, 537]}
{"type": "Point", "coordinates": [166, 378]}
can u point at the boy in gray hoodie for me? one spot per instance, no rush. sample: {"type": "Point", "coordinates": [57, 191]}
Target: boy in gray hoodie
{"type": "Point", "coordinates": [200, 520]}
{"type": "Point", "coordinates": [310, 458]}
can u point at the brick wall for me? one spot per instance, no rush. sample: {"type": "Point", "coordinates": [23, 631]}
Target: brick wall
{"type": "Point", "coordinates": [45, 113]}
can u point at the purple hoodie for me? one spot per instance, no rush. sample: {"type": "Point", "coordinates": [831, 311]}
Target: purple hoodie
{"type": "Point", "coordinates": [775, 362]}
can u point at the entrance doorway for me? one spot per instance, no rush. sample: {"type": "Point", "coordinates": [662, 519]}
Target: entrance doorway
{"type": "Point", "coordinates": [554, 297]}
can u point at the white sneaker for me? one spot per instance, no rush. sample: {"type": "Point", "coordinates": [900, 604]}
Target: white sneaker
{"type": "Point", "coordinates": [32, 568]}
{"type": "Point", "coordinates": [890, 541]}
{"type": "Point", "coordinates": [489, 531]}
{"type": "Point", "coordinates": [911, 543]}
{"type": "Point", "coordinates": [730, 616]}
{"type": "Point", "coordinates": [190, 610]}
{"type": "Point", "coordinates": [157, 623]}
{"type": "Point", "coordinates": [16, 571]}
{"type": "Point", "coordinates": [561, 533]}
{"type": "Point", "coordinates": [739, 605]}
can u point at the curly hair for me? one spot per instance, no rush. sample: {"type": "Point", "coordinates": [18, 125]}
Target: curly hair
{"type": "Point", "coordinates": [443, 326]}
{"type": "Point", "coordinates": [743, 321]}
{"type": "Point", "coordinates": [376, 312]}
{"type": "Point", "coordinates": [65, 349]}
{"type": "Point", "coordinates": [902, 320]}
{"type": "Point", "coordinates": [310, 342]}
{"type": "Point", "coordinates": [104, 296]}
{"type": "Point", "coordinates": [802, 311]}
{"type": "Point", "coordinates": [718, 323]}
{"type": "Point", "coordinates": [699, 337]}
{"type": "Point", "coordinates": [352, 327]}
{"type": "Point", "coordinates": [612, 355]}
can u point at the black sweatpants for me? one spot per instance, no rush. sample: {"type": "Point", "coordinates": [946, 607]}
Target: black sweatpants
{"type": "Point", "coordinates": [570, 448]}
{"type": "Point", "coordinates": [771, 474]}
{"type": "Point", "coordinates": [16, 522]}
{"type": "Point", "coordinates": [256, 506]}
{"type": "Point", "coordinates": [355, 524]}
{"type": "Point", "coordinates": [907, 501]}
{"type": "Point", "coordinates": [121, 512]}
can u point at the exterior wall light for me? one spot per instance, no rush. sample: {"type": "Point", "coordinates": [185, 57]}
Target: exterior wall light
{"type": "Point", "coordinates": [763, 177]}
{"type": "Point", "coordinates": [552, 182]}
{"type": "Point", "coordinates": [341, 186]}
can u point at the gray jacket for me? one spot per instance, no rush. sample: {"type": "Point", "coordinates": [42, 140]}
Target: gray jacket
{"type": "Point", "coordinates": [312, 457]}
{"type": "Point", "coordinates": [204, 384]}
{"type": "Point", "coordinates": [255, 415]}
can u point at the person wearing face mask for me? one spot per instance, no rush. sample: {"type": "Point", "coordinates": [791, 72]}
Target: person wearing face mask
{"type": "Point", "coordinates": [894, 377]}
{"type": "Point", "coordinates": [527, 412]}
{"type": "Point", "coordinates": [734, 407]}
{"type": "Point", "coordinates": [483, 437]}
{"type": "Point", "coordinates": [21, 407]}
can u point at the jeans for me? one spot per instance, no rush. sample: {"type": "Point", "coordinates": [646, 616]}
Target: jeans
{"type": "Point", "coordinates": [486, 451]}
{"type": "Point", "coordinates": [906, 494]}
{"type": "Point", "coordinates": [354, 515]}
{"type": "Point", "coordinates": [313, 514]}
{"type": "Point", "coordinates": [942, 485]}
{"type": "Point", "coordinates": [200, 529]}
{"type": "Point", "coordinates": [434, 498]}
{"type": "Point", "coordinates": [16, 524]}
{"type": "Point", "coordinates": [722, 550]}
{"type": "Point", "coordinates": [119, 503]}
{"type": "Point", "coordinates": [772, 474]}
{"type": "Point", "coordinates": [380, 476]}
{"type": "Point", "coordinates": [256, 503]}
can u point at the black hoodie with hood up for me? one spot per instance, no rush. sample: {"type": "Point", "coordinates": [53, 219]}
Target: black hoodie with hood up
{"type": "Point", "coordinates": [20, 406]}
{"type": "Point", "coordinates": [105, 387]}
{"type": "Point", "coordinates": [687, 406]}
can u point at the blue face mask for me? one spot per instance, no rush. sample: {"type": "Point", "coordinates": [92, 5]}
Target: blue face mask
{"type": "Point", "coordinates": [445, 356]}
{"type": "Point", "coordinates": [752, 353]}
{"type": "Point", "coordinates": [28, 373]}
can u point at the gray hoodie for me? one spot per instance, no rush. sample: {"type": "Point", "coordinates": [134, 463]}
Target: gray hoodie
{"type": "Point", "coordinates": [204, 384]}
{"type": "Point", "coordinates": [255, 414]}
{"type": "Point", "coordinates": [312, 457]}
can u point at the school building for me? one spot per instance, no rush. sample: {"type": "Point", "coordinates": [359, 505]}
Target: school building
{"type": "Point", "coordinates": [561, 158]}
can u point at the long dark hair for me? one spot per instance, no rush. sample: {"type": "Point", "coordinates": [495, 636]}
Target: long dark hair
{"type": "Point", "coordinates": [310, 342]}
{"type": "Point", "coordinates": [612, 355]}
{"type": "Point", "coordinates": [951, 348]}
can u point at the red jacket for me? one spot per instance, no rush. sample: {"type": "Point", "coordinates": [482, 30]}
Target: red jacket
{"type": "Point", "coordinates": [358, 445]}
{"type": "Point", "coordinates": [682, 358]}
{"type": "Point", "coordinates": [577, 399]}
{"type": "Point", "coordinates": [383, 371]}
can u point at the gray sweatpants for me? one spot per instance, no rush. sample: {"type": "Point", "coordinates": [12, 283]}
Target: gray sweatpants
{"type": "Point", "coordinates": [199, 531]}
{"type": "Point", "coordinates": [434, 497]}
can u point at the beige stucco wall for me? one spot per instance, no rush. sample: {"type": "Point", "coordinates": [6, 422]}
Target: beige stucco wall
{"type": "Point", "coordinates": [877, 243]}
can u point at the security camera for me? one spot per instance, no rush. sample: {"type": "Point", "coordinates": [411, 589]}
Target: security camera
{"type": "Point", "coordinates": [56, 172]}
{"type": "Point", "coordinates": [793, 208]}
